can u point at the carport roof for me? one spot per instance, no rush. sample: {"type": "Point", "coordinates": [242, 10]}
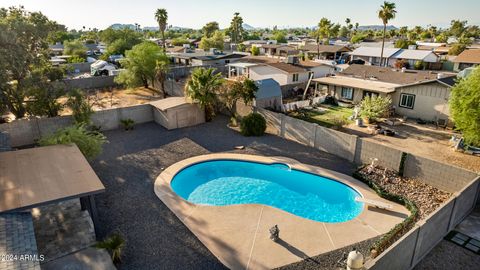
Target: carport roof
{"type": "Point", "coordinates": [37, 176]}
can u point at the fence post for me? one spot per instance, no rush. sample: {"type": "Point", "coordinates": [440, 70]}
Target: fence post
{"type": "Point", "coordinates": [282, 125]}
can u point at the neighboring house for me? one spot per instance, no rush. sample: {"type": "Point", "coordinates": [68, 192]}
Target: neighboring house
{"type": "Point", "coordinates": [372, 55]}
{"type": "Point", "coordinates": [212, 58]}
{"type": "Point", "coordinates": [468, 58]}
{"type": "Point", "coordinates": [293, 74]}
{"type": "Point", "coordinates": [415, 94]}
{"type": "Point", "coordinates": [438, 48]}
{"type": "Point", "coordinates": [57, 48]}
{"type": "Point", "coordinates": [278, 50]}
{"type": "Point", "coordinates": [327, 52]}
{"type": "Point", "coordinates": [268, 95]}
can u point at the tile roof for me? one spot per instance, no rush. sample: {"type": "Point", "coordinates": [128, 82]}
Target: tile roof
{"type": "Point", "coordinates": [468, 56]}
{"type": "Point", "coordinates": [17, 237]}
{"type": "Point", "coordinates": [389, 75]}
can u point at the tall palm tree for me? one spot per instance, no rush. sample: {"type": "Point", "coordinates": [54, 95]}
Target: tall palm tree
{"type": "Point", "coordinates": [202, 88]}
{"type": "Point", "coordinates": [324, 32]}
{"type": "Point", "coordinates": [386, 13]}
{"type": "Point", "coordinates": [161, 15]}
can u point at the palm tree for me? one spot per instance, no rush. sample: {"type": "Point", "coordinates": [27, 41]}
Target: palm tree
{"type": "Point", "coordinates": [323, 32]}
{"type": "Point", "coordinates": [161, 16]}
{"type": "Point", "coordinates": [202, 88]}
{"type": "Point", "coordinates": [386, 13]}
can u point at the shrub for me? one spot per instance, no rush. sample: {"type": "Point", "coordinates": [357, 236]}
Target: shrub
{"type": "Point", "coordinates": [114, 244]}
{"type": "Point", "coordinates": [339, 122]}
{"type": "Point", "coordinates": [127, 124]}
{"type": "Point", "coordinates": [89, 142]}
{"type": "Point", "coordinates": [372, 108]}
{"type": "Point", "coordinates": [419, 65]}
{"type": "Point", "coordinates": [253, 125]}
{"type": "Point", "coordinates": [81, 109]}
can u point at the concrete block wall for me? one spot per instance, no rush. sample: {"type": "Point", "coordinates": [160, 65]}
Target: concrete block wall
{"type": "Point", "coordinates": [465, 202]}
{"type": "Point", "coordinates": [335, 142]}
{"type": "Point", "coordinates": [300, 131]}
{"type": "Point", "coordinates": [90, 83]}
{"type": "Point", "coordinates": [387, 157]}
{"type": "Point", "coordinates": [398, 256]}
{"type": "Point", "coordinates": [440, 175]}
{"type": "Point", "coordinates": [274, 121]}
{"type": "Point", "coordinates": [27, 131]}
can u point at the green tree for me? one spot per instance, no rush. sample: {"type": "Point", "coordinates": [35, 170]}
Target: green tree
{"type": "Point", "coordinates": [141, 65]}
{"type": "Point", "coordinates": [89, 142]}
{"type": "Point", "coordinates": [403, 44]}
{"type": "Point", "coordinates": [236, 31]}
{"type": "Point", "coordinates": [255, 51]}
{"type": "Point", "coordinates": [216, 41]}
{"type": "Point", "coordinates": [119, 41]}
{"type": "Point", "coordinates": [386, 13]}
{"type": "Point", "coordinates": [81, 109]}
{"type": "Point", "coordinates": [23, 48]}
{"type": "Point", "coordinates": [44, 90]}
{"type": "Point", "coordinates": [210, 28]}
{"type": "Point", "coordinates": [233, 92]}
{"type": "Point", "coordinates": [202, 87]}
{"type": "Point", "coordinates": [326, 30]}
{"type": "Point", "coordinates": [161, 16]}
{"type": "Point", "coordinates": [180, 41]}
{"type": "Point", "coordinates": [75, 48]}
{"type": "Point", "coordinates": [280, 37]}
{"type": "Point", "coordinates": [465, 107]}
{"type": "Point", "coordinates": [457, 28]}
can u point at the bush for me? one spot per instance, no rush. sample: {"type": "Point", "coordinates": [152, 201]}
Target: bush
{"type": "Point", "coordinates": [127, 124]}
{"type": "Point", "coordinates": [372, 108]}
{"type": "Point", "coordinates": [253, 125]}
{"type": "Point", "coordinates": [114, 244]}
{"type": "Point", "coordinates": [89, 142]}
{"type": "Point", "coordinates": [419, 65]}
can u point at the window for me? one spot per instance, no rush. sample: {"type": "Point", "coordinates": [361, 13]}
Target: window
{"type": "Point", "coordinates": [347, 93]}
{"type": "Point", "coordinates": [295, 77]}
{"type": "Point", "coordinates": [407, 101]}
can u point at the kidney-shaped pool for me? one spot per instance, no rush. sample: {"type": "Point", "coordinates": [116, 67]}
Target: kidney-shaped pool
{"type": "Point", "coordinates": [230, 182]}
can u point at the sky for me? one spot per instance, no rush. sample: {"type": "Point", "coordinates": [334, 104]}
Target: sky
{"type": "Point", "coordinates": [258, 13]}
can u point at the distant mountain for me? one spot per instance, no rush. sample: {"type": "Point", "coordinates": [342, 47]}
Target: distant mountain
{"type": "Point", "coordinates": [375, 27]}
{"type": "Point", "coordinates": [118, 26]}
{"type": "Point", "coordinates": [150, 28]}
{"type": "Point", "coordinates": [248, 27]}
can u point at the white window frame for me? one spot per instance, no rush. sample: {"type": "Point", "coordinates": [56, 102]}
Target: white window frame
{"type": "Point", "coordinates": [350, 96]}
{"type": "Point", "coordinates": [403, 104]}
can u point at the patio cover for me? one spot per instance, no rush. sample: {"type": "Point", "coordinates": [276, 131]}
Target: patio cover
{"type": "Point", "coordinates": [370, 85]}
{"type": "Point", "coordinates": [37, 176]}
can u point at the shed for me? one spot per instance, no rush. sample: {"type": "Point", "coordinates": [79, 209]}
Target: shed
{"type": "Point", "coordinates": [269, 94]}
{"type": "Point", "coordinates": [176, 112]}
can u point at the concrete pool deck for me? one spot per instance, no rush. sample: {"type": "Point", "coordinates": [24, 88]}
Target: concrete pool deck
{"type": "Point", "coordinates": [238, 234]}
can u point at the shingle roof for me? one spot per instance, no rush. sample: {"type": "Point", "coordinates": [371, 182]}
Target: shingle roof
{"type": "Point", "coordinates": [468, 56]}
{"type": "Point", "coordinates": [389, 75]}
{"type": "Point", "coordinates": [289, 68]}
{"type": "Point", "coordinates": [324, 48]}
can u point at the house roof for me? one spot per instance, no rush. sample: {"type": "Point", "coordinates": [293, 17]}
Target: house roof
{"type": "Point", "coordinates": [37, 176]}
{"type": "Point", "coordinates": [268, 88]}
{"type": "Point", "coordinates": [413, 54]}
{"type": "Point", "coordinates": [218, 56]}
{"type": "Point", "coordinates": [168, 103]}
{"type": "Point", "coordinates": [259, 59]}
{"type": "Point", "coordinates": [377, 86]}
{"type": "Point", "coordinates": [374, 52]}
{"type": "Point", "coordinates": [468, 56]}
{"type": "Point", "coordinates": [275, 46]}
{"type": "Point", "coordinates": [324, 48]}
{"type": "Point", "coordinates": [288, 68]}
{"type": "Point", "coordinates": [389, 75]}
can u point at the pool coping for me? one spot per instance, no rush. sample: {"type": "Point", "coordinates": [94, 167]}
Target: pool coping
{"type": "Point", "coordinates": [238, 234]}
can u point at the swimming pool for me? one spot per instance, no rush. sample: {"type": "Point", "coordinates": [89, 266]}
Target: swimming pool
{"type": "Point", "coordinates": [232, 182]}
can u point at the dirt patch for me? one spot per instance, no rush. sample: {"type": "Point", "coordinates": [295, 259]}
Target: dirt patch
{"type": "Point", "coordinates": [421, 140]}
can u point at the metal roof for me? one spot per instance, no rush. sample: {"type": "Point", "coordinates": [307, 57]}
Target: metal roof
{"type": "Point", "coordinates": [413, 54]}
{"type": "Point", "coordinates": [268, 88]}
{"type": "Point", "coordinates": [374, 52]}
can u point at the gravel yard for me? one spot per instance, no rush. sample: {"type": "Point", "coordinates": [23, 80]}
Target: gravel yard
{"type": "Point", "coordinates": [129, 165]}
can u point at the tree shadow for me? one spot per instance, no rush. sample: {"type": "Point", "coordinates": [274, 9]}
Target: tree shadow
{"type": "Point", "coordinates": [295, 251]}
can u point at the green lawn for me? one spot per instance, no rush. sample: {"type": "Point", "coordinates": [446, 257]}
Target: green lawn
{"type": "Point", "coordinates": [325, 116]}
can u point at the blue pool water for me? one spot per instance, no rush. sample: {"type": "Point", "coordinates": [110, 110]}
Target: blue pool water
{"type": "Point", "coordinates": [229, 182]}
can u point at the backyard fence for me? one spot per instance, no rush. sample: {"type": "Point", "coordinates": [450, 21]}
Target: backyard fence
{"type": "Point", "coordinates": [94, 82]}
{"type": "Point", "coordinates": [27, 131]}
{"type": "Point", "coordinates": [426, 234]}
